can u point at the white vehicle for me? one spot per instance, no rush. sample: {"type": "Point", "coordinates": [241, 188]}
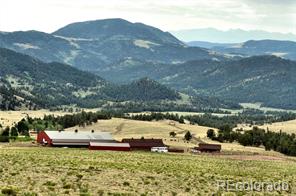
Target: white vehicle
{"type": "Point", "coordinates": [159, 149]}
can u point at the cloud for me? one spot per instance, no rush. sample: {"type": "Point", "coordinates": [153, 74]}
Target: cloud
{"type": "Point", "coordinates": [48, 15]}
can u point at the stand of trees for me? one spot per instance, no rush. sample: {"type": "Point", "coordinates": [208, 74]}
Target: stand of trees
{"type": "Point", "coordinates": [209, 120]}
{"type": "Point", "coordinates": [8, 133]}
{"type": "Point", "coordinates": [157, 116]}
{"type": "Point", "coordinates": [66, 121]}
{"type": "Point", "coordinates": [281, 142]}
{"type": "Point", "coordinates": [159, 106]}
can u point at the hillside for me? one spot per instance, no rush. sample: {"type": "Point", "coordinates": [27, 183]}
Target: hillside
{"type": "Point", "coordinates": [51, 84]}
{"type": "Point", "coordinates": [266, 79]}
{"type": "Point", "coordinates": [285, 49]}
{"type": "Point", "coordinates": [123, 52]}
{"type": "Point", "coordinates": [100, 29]}
{"type": "Point", "coordinates": [94, 45]}
{"type": "Point", "coordinates": [30, 83]}
{"type": "Point", "coordinates": [143, 89]}
{"type": "Point", "coordinates": [43, 84]}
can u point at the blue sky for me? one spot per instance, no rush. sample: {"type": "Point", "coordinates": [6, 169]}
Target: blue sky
{"type": "Point", "coordinates": [49, 15]}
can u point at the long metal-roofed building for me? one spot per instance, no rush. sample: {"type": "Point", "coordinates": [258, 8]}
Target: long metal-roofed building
{"type": "Point", "coordinates": [73, 138]}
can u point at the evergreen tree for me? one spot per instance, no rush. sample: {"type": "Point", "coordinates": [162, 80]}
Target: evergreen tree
{"type": "Point", "coordinates": [211, 134]}
{"type": "Point", "coordinates": [188, 136]}
{"type": "Point", "coordinates": [13, 132]}
{"type": "Point", "coordinates": [23, 128]}
{"type": "Point", "coordinates": [4, 136]}
{"type": "Point", "coordinates": [173, 134]}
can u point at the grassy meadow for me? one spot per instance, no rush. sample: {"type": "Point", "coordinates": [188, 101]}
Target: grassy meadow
{"type": "Point", "coordinates": [59, 171]}
{"type": "Point", "coordinates": [8, 118]}
{"type": "Point", "coordinates": [287, 126]}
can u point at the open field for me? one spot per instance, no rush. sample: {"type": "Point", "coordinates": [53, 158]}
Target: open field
{"type": "Point", "coordinates": [265, 109]}
{"type": "Point", "coordinates": [125, 128]}
{"type": "Point", "coordinates": [59, 171]}
{"type": "Point", "coordinates": [287, 126]}
{"type": "Point", "coordinates": [135, 128]}
{"type": "Point", "coordinates": [8, 118]}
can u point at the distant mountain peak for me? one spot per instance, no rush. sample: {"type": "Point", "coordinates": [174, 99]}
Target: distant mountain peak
{"type": "Point", "coordinates": [229, 36]}
{"type": "Point", "coordinates": [99, 29]}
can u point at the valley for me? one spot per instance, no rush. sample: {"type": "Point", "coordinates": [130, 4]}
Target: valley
{"type": "Point", "coordinates": [133, 80]}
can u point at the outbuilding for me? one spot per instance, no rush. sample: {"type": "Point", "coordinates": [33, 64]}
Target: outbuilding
{"type": "Point", "coordinates": [144, 144]}
{"type": "Point", "coordinates": [109, 146]}
{"type": "Point", "coordinates": [73, 138]}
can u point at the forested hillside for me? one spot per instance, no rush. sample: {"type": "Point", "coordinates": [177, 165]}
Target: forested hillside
{"type": "Point", "coordinates": [266, 79]}
{"type": "Point", "coordinates": [30, 83]}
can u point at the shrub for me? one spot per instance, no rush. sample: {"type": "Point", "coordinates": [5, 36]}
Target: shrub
{"type": "Point", "coordinates": [188, 136]}
{"type": "Point", "coordinates": [126, 183]}
{"type": "Point", "coordinates": [9, 191]}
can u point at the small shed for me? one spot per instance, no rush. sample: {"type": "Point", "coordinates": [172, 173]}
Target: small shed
{"type": "Point", "coordinates": [203, 147]}
{"type": "Point", "coordinates": [144, 144]}
{"type": "Point", "coordinates": [176, 150]}
{"type": "Point", "coordinates": [72, 138]}
{"type": "Point", "coordinates": [109, 146]}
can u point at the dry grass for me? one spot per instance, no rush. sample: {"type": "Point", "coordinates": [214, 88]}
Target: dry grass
{"type": "Point", "coordinates": [8, 118]}
{"type": "Point", "coordinates": [57, 171]}
{"type": "Point", "coordinates": [287, 126]}
{"type": "Point", "coordinates": [125, 128]}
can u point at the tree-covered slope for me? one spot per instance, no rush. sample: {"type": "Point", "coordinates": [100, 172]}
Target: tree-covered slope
{"type": "Point", "coordinates": [44, 84]}
{"type": "Point", "coordinates": [30, 83]}
{"type": "Point", "coordinates": [267, 79]}
{"type": "Point", "coordinates": [285, 49]}
{"type": "Point", "coordinates": [143, 89]}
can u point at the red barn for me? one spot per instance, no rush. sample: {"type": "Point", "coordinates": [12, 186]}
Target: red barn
{"type": "Point", "coordinates": [72, 138]}
{"type": "Point", "coordinates": [144, 144]}
{"type": "Point", "coordinates": [109, 146]}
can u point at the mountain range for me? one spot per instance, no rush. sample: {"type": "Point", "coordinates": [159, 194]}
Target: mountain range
{"type": "Point", "coordinates": [229, 36]}
{"type": "Point", "coordinates": [266, 79]}
{"type": "Point", "coordinates": [284, 49]}
{"type": "Point", "coordinates": [26, 82]}
{"type": "Point", "coordinates": [94, 45]}
{"type": "Point", "coordinates": [137, 60]}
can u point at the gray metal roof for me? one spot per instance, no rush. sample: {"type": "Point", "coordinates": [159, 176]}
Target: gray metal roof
{"type": "Point", "coordinates": [80, 135]}
{"type": "Point", "coordinates": [113, 144]}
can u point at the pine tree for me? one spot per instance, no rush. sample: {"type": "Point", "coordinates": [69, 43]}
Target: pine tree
{"type": "Point", "coordinates": [188, 136]}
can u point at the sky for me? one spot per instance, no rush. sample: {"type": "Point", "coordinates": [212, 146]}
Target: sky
{"type": "Point", "coordinates": [168, 15]}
